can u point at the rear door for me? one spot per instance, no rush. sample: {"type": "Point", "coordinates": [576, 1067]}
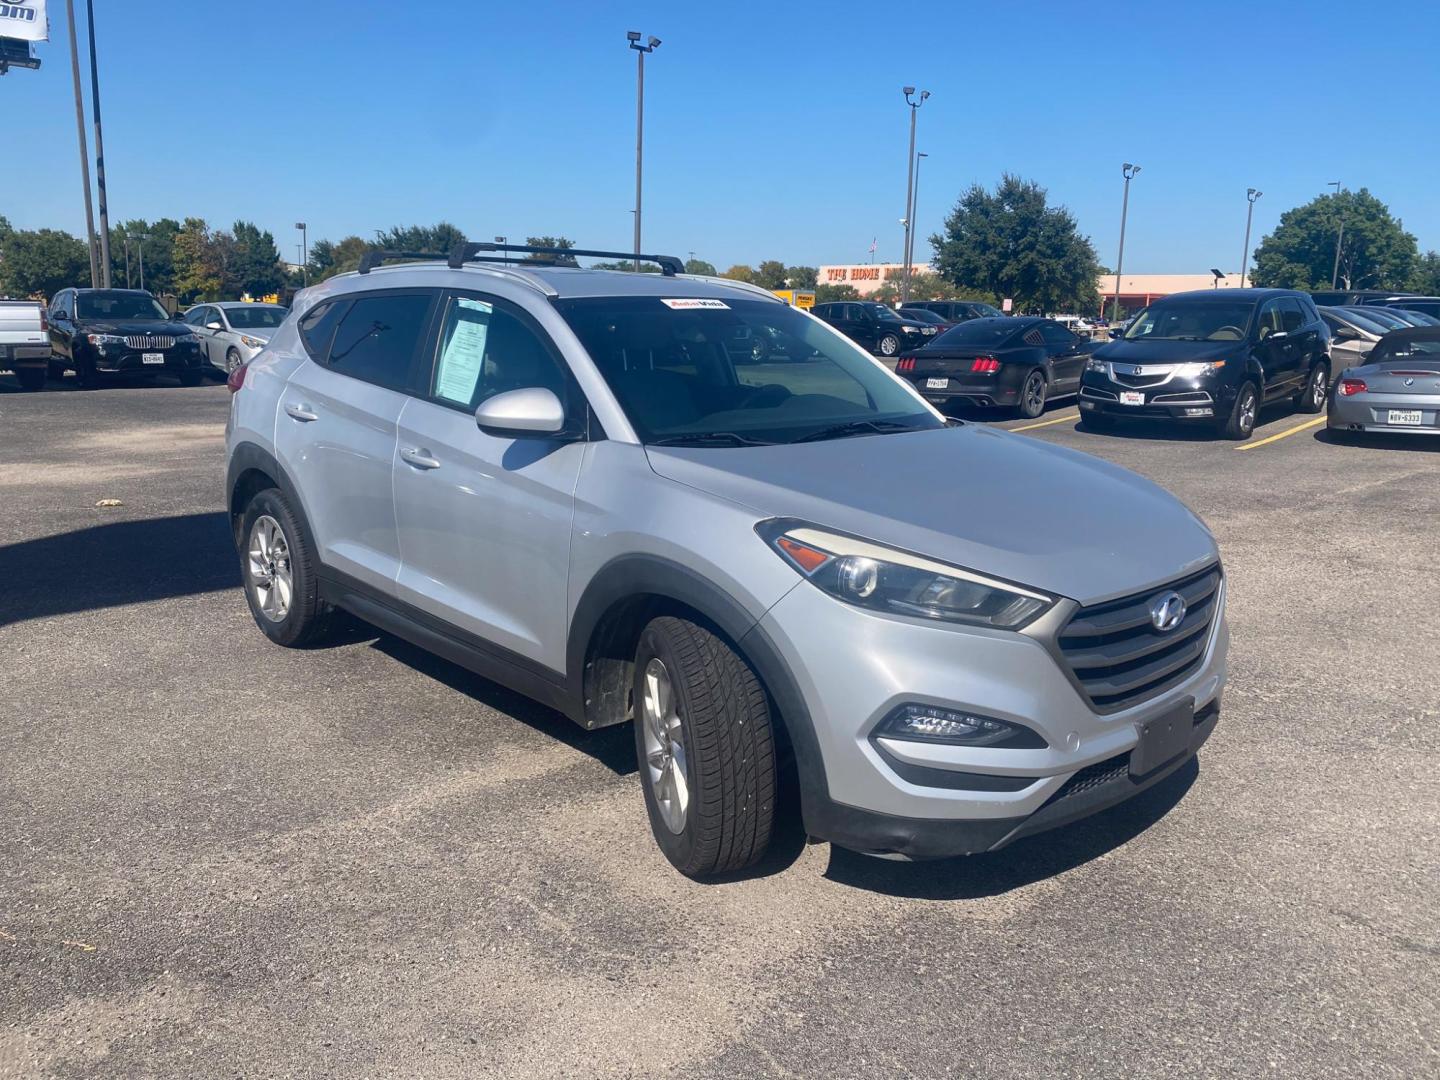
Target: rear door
{"type": "Point", "coordinates": [485, 520]}
{"type": "Point", "coordinates": [335, 432]}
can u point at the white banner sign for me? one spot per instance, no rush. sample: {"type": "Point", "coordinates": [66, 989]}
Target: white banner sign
{"type": "Point", "coordinates": [24, 20]}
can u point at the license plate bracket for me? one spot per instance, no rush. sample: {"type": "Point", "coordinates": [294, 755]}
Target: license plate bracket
{"type": "Point", "coordinates": [1131, 397]}
{"type": "Point", "coordinates": [1163, 738]}
{"type": "Point", "coordinates": [152, 358]}
{"type": "Point", "coordinates": [936, 384]}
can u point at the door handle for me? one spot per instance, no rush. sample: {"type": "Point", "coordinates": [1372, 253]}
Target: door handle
{"type": "Point", "coordinates": [303, 413]}
{"type": "Point", "coordinates": [419, 458]}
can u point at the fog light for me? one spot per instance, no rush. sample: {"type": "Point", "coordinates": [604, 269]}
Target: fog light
{"type": "Point", "coordinates": [1087, 404]}
{"type": "Point", "coordinates": [932, 723]}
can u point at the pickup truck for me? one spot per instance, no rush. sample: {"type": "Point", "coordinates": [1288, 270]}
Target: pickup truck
{"type": "Point", "coordinates": [25, 341]}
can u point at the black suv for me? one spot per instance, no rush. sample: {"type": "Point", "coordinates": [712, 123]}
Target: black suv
{"type": "Point", "coordinates": [111, 331]}
{"type": "Point", "coordinates": [874, 326]}
{"type": "Point", "coordinates": [1211, 357]}
{"type": "Point", "coordinates": [955, 311]}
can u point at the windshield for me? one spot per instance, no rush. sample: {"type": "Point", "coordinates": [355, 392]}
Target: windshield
{"type": "Point", "coordinates": [986, 332]}
{"type": "Point", "coordinates": [1425, 351]}
{"type": "Point", "coordinates": [735, 371]}
{"type": "Point", "coordinates": [118, 305]}
{"type": "Point", "coordinates": [881, 312]}
{"type": "Point", "coordinates": [1190, 320]}
{"type": "Point", "coordinates": [255, 318]}
{"type": "Point", "coordinates": [926, 316]}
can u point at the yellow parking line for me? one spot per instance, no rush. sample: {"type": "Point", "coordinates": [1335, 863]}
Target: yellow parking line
{"type": "Point", "coordinates": [1046, 423]}
{"type": "Point", "coordinates": [1284, 434]}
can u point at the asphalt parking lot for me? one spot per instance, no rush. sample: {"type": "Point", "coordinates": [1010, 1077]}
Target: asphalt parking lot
{"type": "Point", "coordinates": [222, 858]}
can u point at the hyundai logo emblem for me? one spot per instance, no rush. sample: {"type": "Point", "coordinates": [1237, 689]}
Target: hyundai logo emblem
{"type": "Point", "coordinates": [1167, 611]}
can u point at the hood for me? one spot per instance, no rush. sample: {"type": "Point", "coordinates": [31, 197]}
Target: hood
{"type": "Point", "coordinates": [973, 496]}
{"type": "Point", "coordinates": [1168, 352]}
{"type": "Point", "coordinates": [134, 326]}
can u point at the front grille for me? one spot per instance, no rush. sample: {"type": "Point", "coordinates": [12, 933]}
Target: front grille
{"type": "Point", "coordinates": [1140, 382]}
{"type": "Point", "coordinates": [1120, 659]}
{"type": "Point", "coordinates": [1093, 776]}
{"type": "Point", "coordinates": [149, 341]}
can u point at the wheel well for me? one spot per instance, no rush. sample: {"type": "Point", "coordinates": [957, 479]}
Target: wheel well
{"type": "Point", "coordinates": [247, 485]}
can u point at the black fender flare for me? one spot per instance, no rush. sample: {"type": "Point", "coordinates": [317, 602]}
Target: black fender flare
{"type": "Point", "coordinates": [639, 574]}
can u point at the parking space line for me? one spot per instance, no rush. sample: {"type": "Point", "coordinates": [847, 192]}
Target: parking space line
{"type": "Point", "coordinates": [1046, 423]}
{"type": "Point", "coordinates": [1284, 434]}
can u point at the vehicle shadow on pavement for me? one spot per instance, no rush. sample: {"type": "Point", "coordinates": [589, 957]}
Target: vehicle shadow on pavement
{"type": "Point", "coordinates": [613, 747]}
{"type": "Point", "coordinates": [119, 562]}
{"type": "Point", "coordinates": [1378, 441]}
{"type": "Point", "coordinates": [1026, 862]}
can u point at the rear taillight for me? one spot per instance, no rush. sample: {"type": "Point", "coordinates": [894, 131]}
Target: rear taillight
{"type": "Point", "coordinates": [236, 379]}
{"type": "Point", "coordinates": [905, 363]}
{"type": "Point", "coordinates": [44, 320]}
{"type": "Point", "coordinates": [985, 364]}
{"type": "Point", "coordinates": [1351, 386]}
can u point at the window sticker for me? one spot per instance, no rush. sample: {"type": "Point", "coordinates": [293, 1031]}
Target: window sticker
{"type": "Point", "coordinates": [691, 305]}
{"type": "Point", "coordinates": [464, 353]}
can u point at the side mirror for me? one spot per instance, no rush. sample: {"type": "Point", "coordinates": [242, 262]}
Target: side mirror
{"type": "Point", "coordinates": [214, 324]}
{"type": "Point", "coordinates": [1116, 332]}
{"type": "Point", "coordinates": [178, 316]}
{"type": "Point", "coordinates": [531, 411]}
{"type": "Point", "coordinates": [1344, 333]}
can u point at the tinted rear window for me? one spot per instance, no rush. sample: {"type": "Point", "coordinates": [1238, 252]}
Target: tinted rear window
{"type": "Point", "coordinates": [989, 332]}
{"type": "Point", "coordinates": [378, 336]}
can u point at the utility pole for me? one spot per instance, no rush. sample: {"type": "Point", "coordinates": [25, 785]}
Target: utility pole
{"type": "Point", "coordinates": [909, 92]}
{"type": "Point", "coordinates": [914, 209]}
{"type": "Point", "coordinates": [1340, 235]}
{"type": "Point", "coordinates": [127, 260]}
{"type": "Point", "coordinates": [650, 46]}
{"type": "Point", "coordinates": [1252, 195]}
{"type": "Point", "coordinates": [140, 239]}
{"type": "Point", "coordinates": [99, 152]}
{"type": "Point", "coordinates": [1129, 170]}
{"type": "Point", "coordinates": [304, 255]}
{"type": "Point", "coordinates": [84, 151]}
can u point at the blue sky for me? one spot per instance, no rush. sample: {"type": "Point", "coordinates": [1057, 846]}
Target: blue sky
{"type": "Point", "coordinates": [772, 130]}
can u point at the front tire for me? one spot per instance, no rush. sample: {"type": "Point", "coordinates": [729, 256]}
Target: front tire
{"type": "Point", "coordinates": [1096, 421]}
{"type": "Point", "coordinates": [278, 569]}
{"type": "Point", "coordinates": [706, 749]}
{"type": "Point", "coordinates": [1240, 424]}
{"type": "Point", "coordinates": [30, 378]}
{"type": "Point", "coordinates": [889, 345]}
{"type": "Point", "coordinates": [1317, 389]}
{"type": "Point", "coordinates": [1032, 395]}
{"type": "Point", "coordinates": [85, 373]}
{"type": "Point", "coordinates": [232, 360]}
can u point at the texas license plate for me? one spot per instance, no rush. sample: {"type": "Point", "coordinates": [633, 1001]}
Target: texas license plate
{"type": "Point", "coordinates": [1131, 397]}
{"type": "Point", "coordinates": [1408, 417]}
{"type": "Point", "coordinates": [1163, 739]}
{"type": "Point", "coordinates": [152, 358]}
{"type": "Point", "coordinates": [938, 384]}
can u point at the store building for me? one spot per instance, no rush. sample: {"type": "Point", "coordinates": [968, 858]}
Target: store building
{"type": "Point", "coordinates": [866, 278]}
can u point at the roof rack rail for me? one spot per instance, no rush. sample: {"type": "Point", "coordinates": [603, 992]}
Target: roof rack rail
{"type": "Point", "coordinates": [460, 254]}
{"type": "Point", "coordinates": [371, 259]}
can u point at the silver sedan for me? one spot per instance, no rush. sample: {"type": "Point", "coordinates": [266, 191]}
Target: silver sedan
{"type": "Point", "coordinates": [232, 332]}
{"type": "Point", "coordinates": [1396, 390]}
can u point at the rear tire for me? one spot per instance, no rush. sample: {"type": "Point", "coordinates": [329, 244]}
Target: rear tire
{"type": "Point", "coordinates": [1240, 424]}
{"type": "Point", "coordinates": [706, 749]}
{"type": "Point", "coordinates": [1317, 389]}
{"type": "Point", "coordinates": [278, 569]}
{"type": "Point", "coordinates": [30, 378]}
{"type": "Point", "coordinates": [1033, 393]}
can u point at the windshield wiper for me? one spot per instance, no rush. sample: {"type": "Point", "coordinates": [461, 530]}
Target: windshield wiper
{"type": "Point", "coordinates": [711, 438]}
{"type": "Point", "coordinates": [855, 427]}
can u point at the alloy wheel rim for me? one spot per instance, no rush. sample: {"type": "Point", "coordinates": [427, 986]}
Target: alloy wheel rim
{"type": "Point", "coordinates": [272, 581]}
{"type": "Point", "coordinates": [232, 361]}
{"type": "Point", "coordinates": [1317, 392]}
{"type": "Point", "coordinates": [1247, 411]}
{"type": "Point", "coordinates": [1035, 394]}
{"type": "Point", "coordinates": [664, 735]}
{"type": "Point", "coordinates": [889, 345]}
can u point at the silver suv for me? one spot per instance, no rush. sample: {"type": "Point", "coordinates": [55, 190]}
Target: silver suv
{"type": "Point", "coordinates": [679, 501]}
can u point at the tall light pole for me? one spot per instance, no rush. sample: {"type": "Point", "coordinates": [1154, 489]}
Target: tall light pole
{"type": "Point", "coordinates": [99, 152]}
{"type": "Point", "coordinates": [910, 230]}
{"type": "Point", "coordinates": [127, 259]}
{"type": "Point", "coordinates": [1252, 195]}
{"type": "Point", "coordinates": [140, 239]}
{"type": "Point", "coordinates": [640, 50]}
{"type": "Point", "coordinates": [1340, 235]}
{"type": "Point", "coordinates": [914, 103]}
{"type": "Point", "coordinates": [1130, 172]}
{"type": "Point", "coordinates": [304, 254]}
{"type": "Point", "coordinates": [84, 152]}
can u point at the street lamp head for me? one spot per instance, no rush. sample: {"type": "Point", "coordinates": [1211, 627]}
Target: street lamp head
{"type": "Point", "coordinates": [299, 224]}
{"type": "Point", "coordinates": [924, 94]}
{"type": "Point", "coordinates": [633, 35]}
{"type": "Point", "coordinates": [654, 43]}
{"type": "Point", "coordinates": [921, 153]}
{"type": "Point", "coordinates": [907, 90]}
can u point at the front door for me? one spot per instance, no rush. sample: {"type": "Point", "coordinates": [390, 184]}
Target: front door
{"type": "Point", "coordinates": [485, 520]}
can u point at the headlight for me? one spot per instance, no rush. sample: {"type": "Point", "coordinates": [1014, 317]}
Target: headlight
{"type": "Point", "coordinates": [251, 342]}
{"type": "Point", "coordinates": [883, 579]}
{"type": "Point", "coordinates": [1199, 370]}
{"type": "Point", "coordinates": [188, 339]}
{"type": "Point", "coordinates": [1097, 365]}
{"type": "Point", "coordinates": [104, 339]}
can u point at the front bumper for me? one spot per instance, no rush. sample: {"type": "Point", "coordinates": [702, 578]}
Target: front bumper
{"type": "Point", "coordinates": [118, 359]}
{"type": "Point", "coordinates": [853, 667]}
{"type": "Point", "coordinates": [1371, 412]}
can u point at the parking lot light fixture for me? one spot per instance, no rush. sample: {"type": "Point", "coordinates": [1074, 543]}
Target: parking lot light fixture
{"type": "Point", "coordinates": [1130, 172]}
{"type": "Point", "coordinates": [910, 230]}
{"type": "Point", "coordinates": [649, 46]}
{"type": "Point", "coordinates": [1252, 194]}
{"type": "Point", "coordinates": [909, 219]}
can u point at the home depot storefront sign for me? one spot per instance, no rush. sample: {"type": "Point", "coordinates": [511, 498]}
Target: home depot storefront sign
{"type": "Point", "coordinates": [866, 278]}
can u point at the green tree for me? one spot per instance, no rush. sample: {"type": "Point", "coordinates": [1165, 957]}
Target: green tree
{"type": "Point", "coordinates": [627, 265]}
{"type": "Point", "coordinates": [700, 266]}
{"type": "Point", "coordinates": [828, 294]}
{"type": "Point", "coordinates": [256, 270]}
{"type": "Point", "coordinates": [438, 238]}
{"type": "Point", "coordinates": [550, 242]}
{"type": "Point", "coordinates": [740, 272]}
{"type": "Point", "coordinates": [1376, 251]}
{"type": "Point", "coordinates": [158, 248]}
{"type": "Point", "coordinates": [770, 274]}
{"type": "Point", "coordinates": [1012, 243]}
{"type": "Point", "coordinates": [40, 262]}
{"type": "Point", "coordinates": [1426, 278]}
{"type": "Point", "coordinates": [801, 277]}
{"type": "Point", "coordinates": [197, 273]}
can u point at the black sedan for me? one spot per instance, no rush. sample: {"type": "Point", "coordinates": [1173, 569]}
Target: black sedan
{"type": "Point", "coordinates": [1016, 363]}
